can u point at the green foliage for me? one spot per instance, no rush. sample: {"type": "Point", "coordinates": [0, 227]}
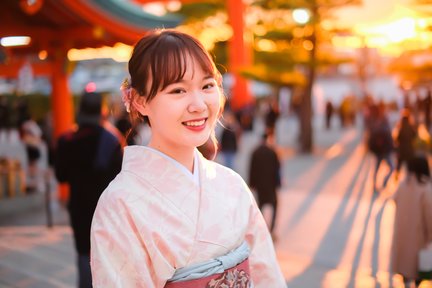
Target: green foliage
{"type": "Point", "coordinates": [267, 74]}
{"type": "Point", "coordinates": [220, 54]}
{"type": "Point", "coordinates": [196, 11]}
{"type": "Point", "coordinates": [285, 35]}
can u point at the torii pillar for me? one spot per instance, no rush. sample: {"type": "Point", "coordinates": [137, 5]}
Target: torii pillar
{"type": "Point", "coordinates": [61, 103]}
{"type": "Point", "coordinates": [239, 54]}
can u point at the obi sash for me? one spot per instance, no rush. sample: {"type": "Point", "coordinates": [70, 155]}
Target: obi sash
{"type": "Point", "coordinates": [230, 270]}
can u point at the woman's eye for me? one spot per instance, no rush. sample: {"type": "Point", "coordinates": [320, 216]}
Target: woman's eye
{"type": "Point", "coordinates": [177, 91]}
{"type": "Point", "coordinates": [209, 85]}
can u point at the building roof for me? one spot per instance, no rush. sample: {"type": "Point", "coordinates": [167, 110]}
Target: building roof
{"type": "Point", "coordinates": [77, 23]}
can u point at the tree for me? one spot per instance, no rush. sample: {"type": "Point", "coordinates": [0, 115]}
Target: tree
{"type": "Point", "coordinates": [318, 11]}
{"type": "Point", "coordinates": [294, 64]}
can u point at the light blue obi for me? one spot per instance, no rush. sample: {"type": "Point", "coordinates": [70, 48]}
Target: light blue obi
{"type": "Point", "coordinates": [214, 266]}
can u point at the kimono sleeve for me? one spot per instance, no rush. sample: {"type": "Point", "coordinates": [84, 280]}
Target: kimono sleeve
{"type": "Point", "coordinates": [120, 256]}
{"type": "Point", "coordinates": [264, 267]}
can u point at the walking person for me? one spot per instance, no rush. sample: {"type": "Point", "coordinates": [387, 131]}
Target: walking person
{"type": "Point", "coordinates": [380, 143]}
{"type": "Point", "coordinates": [264, 175]}
{"type": "Point", "coordinates": [229, 139]}
{"type": "Point", "coordinates": [413, 220]}
{"type": "Point", "coordinates": [87, 158]}
{"type": "Point", "coordinates": [405, 137]}
{"type": "Point", "coordinates": [172, 218]}
{"type": "Point", "coordinates": [31, 136]}
{"type": "Point", "coordinates": [329, 109]}
{"type": "Point", "coordinates": [271, 116]}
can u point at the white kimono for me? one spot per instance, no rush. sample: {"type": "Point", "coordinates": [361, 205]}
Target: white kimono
{"type": "Point", "coordinates": [153, 218]}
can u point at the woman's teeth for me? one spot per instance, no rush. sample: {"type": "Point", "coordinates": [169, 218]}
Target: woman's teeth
{"type": "Point", "coordinates": [195, 123]}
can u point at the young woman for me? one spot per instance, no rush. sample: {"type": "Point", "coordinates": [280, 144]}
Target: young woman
{"type": "Point", "coordinates": [413, 220]}
{"type": "Point", "coordinates": [171, 218]}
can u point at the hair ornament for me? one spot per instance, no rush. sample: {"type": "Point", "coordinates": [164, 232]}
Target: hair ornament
{"type": "Point", "coordinates": [126, 91]}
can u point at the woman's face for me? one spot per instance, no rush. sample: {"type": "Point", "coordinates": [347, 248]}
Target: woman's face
{"type": "Point", "coordinates": [183, 115]}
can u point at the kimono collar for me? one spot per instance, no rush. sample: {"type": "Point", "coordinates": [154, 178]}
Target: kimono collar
{"type": "Point", "coordinates": [136, 158]}
{"type": "Point", "coordinates": [194, 176]}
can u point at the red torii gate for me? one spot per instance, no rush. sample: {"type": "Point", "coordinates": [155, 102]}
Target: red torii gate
{"type": "Point", "coordinates": [56, 26]}
{"type": "Point", "coordinates": [59, 25]}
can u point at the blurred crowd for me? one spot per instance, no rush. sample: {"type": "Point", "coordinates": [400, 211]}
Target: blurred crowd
{"type": "Point", "coordinates": [402, 142]}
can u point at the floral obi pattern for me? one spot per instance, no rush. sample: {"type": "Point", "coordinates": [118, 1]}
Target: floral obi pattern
{"type": "Point", "coordinates": [235, 277]}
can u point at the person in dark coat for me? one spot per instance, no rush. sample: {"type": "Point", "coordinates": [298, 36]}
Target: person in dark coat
{"type": "Point", "coordinates": [87, 159]}
{"type": "Point", "coordinates": [381, 143]}
{"type": "Point", "coordinates": [405, 141]}
{"type": "Point", "coordinates": [229, 139]}
{"type": "Point", "coordinates": [329, 109]}
{"type": "Point", "coordinates": [264, 175]}
{"type": "Point", "coordinates": [271, 117]}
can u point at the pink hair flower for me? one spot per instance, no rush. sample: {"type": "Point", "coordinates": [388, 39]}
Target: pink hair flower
{"type": "Point", "coordinates": [126, 91]}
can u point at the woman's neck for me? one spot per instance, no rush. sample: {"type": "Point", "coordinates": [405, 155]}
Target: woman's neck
{"type": "Point", "coordinates": [185, 156]}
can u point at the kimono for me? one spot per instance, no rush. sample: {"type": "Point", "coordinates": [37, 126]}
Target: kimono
{"type": "Point", "coordinates": [153, 219]}
{"type": "Point", "coordinates": [412, 225]}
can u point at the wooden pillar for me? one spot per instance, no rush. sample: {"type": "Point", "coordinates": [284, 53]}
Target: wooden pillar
{"type": "Point", "coordinates": [61, 98]}
{"type": "Point", "coordinates": [61, 104]}
{"type": "Point", "coordinates": [239, 55]}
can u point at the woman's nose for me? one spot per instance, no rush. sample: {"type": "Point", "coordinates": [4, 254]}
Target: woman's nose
{"type": "Point", "coordinates": [197, 103]}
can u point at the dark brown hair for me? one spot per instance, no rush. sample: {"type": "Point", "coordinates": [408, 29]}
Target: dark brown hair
{"type": "Point", "coordinates": [160, 59]}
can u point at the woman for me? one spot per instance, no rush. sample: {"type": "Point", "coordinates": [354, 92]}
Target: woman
{"type": "Point", "coordinates": [413, 220]}
{"type": "Point", "coordinates": [171, 218]}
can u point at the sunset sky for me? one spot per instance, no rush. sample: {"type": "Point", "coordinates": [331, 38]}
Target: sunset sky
{"type": "Point", "coordinates": [372, 12]}
{"type": "Point", "coordinates": [390, 25]}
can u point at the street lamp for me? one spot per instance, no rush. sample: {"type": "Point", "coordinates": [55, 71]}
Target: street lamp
{"type": "Point", "coordinates": [301, 16]}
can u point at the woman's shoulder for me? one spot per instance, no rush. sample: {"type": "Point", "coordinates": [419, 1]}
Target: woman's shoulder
{"type": "Point", "coordinates": [122, 188]}
{"type": "Point", "coordinates": [220, 170]}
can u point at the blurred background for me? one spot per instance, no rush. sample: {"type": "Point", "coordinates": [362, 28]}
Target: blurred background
{"type": "Point", "coordinates": [307, 58]}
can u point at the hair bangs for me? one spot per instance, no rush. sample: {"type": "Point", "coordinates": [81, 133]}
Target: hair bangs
{"type": "Point", "coordinates": [167, 67]}
{"type": "Point", "coordinates": [170, 64]}
{"type": "Point", "coordinates": [163, 59]}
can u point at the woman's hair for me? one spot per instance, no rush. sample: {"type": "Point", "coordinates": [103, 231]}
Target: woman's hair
{"type": "Point", "coordinates": [419, 166]}
{"type": "Point", "coordinates": [161, 58]}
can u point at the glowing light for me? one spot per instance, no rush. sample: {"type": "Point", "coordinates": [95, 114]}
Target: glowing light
{"type": "Point", "coordinates": [15, 41]}
{"type": "Point", "coordinates": [173, 5]}
{"type": "Point", "coordinates": [301, 16]}
{"type": "Point", "coordinates": [43, 54]}
{"type": "Point", "coordinates": [154, 8]}
{"type": "Point", "coordinates": [423, 133]}
{"type": "Point", "coordinates": [120, 53]}
{"type": "Point", "coordinates": [400, 30]}
{"type": "Point", "coordinates": [90, 87]}
{"type": "Point", "coordinates": [308, 45]}
{"type": "Point", "coordinates": [266, 45]}
{"type": "Point", "coordinates": [347, 41]}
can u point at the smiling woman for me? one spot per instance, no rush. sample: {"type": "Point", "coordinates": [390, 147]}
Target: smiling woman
{"type": "Point", "coordinates": [172, 218]}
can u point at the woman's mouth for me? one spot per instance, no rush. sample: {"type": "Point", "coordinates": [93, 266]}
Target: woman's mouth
{"type": "Point", "coordinates": [195, 123]}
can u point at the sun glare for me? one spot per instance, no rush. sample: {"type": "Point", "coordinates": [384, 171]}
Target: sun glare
{"type": "Point", "coordinates": [120, 53]}
{"type": "Point", "coordinates": [401, 30]}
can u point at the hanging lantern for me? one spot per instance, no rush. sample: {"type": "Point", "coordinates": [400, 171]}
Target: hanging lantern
{"type": "Point", "coordinates": [31, 7]}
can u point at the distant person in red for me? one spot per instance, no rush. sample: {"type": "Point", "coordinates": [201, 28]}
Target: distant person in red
{"type": "Point", "coordinates": [264, 175]}
{"type": "Point", "coordinates": [87, 158]}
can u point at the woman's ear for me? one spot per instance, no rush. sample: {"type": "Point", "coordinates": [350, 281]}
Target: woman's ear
{"type": "Point", "coordinates": [139, 103]}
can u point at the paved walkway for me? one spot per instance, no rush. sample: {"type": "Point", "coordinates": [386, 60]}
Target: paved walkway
{"type": "Point", "coordinates": [331, 230]}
